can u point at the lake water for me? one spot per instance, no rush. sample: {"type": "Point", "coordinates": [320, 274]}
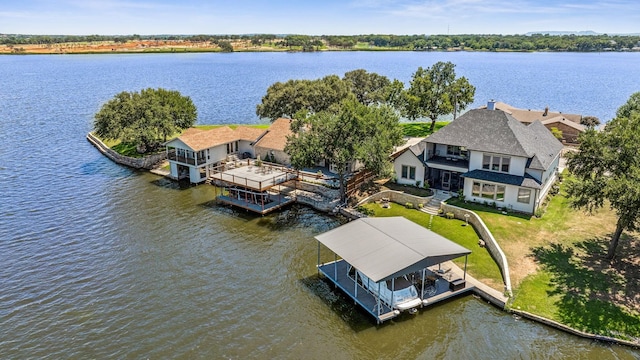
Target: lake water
{"type": "Point", "coordinates": [100, 261]}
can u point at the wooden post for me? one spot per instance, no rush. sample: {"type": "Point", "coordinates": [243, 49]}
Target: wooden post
{"type": "Point", "coordinates": [464, 276]}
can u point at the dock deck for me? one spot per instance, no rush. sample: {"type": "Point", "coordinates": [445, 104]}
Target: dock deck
{"type": "Point", "coordinates": [259, 178]}
{"type": "Point", "coordinates": [258, 208]}
{"type": "Point", "coordinates": [438, 290]}
{"type": "Point", "coordinates": [337, 272]}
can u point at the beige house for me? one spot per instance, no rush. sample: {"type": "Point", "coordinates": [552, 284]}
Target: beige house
{"type": "Point", "coordinates": [270, 147]}
{"type": "Point", "coordinates": [569, 124]}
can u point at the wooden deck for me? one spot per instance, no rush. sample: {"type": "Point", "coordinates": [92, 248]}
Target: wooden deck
{"type": "Point", "coordinates": [258, 208]}
{"type": "Point", "coordinates": [259, 178]}
{"type": "Point", "coordinates": [435, 291]}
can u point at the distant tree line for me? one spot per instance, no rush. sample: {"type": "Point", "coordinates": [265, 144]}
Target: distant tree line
{"type": "Point", "coordinates": [535, 42]}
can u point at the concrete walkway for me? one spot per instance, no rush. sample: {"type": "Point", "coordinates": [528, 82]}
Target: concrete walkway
{"type": "Point", "coordinates": [488, 293]}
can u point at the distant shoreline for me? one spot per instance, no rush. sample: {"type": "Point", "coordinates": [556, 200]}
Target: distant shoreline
{"type": "Point", "coordinates": [186, 46]}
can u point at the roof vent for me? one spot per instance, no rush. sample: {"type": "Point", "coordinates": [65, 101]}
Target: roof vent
{"type": "Point", "coordinates": [491, 105]}
{"type": "Point", "coordinates": [546, 111]}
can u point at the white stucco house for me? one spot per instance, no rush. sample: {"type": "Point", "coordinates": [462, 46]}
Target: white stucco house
{"type": "Point", "coordinates": [490, 155]}
{"type": "Point", "coordinates": [196, 152]}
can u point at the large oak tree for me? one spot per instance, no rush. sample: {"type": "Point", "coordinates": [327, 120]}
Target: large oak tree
{"type": "Point", "coordinates": [607, 170]}
{"type": "Point", "coordinates": [346, 132]}
{"type": "Point", "coordinates": [435, 91]}
{"type": "Point", "coordinates": [144, 118]}
{"type": "Point", "coordinates": [312, 96]}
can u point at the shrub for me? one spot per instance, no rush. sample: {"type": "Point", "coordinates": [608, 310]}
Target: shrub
{"type": "Point", "coordinates": [409, 205]}
{"type": "Point", "coordinates": [450, 215]}
{"type": "Point", "coordinates": [539, 212]}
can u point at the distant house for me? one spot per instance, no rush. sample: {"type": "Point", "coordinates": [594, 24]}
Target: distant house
{"type": "Point", "coordinates": [569, 124]}
{"type": "Point", "coordinates": [490, 155]}
{"type": "Point", "coordinates": [270, 147]}
{"type": "Point", "coordinates": [196, 152]}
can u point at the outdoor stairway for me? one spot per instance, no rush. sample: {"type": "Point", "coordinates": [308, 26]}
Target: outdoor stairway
{"type": "Point", "coordinates": [433, 205]}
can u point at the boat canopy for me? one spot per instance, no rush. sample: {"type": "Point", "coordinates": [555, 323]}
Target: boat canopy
{"type": "Point", "coordinates": [385, 248]}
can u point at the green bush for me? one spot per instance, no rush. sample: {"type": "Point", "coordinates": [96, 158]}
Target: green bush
{"type": "Point", "coordinates": [409, 205]}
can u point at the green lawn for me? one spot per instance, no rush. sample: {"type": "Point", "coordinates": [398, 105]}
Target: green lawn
{"type": "Point", "coordinates": [420, 129]}
{"type": "Point", "coordinates": [480, 263]}
{"type": "Point", "coordinates": [559, 271]}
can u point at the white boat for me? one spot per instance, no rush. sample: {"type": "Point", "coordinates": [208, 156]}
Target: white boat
{"type": "Point", "coordinates": [399, 293]}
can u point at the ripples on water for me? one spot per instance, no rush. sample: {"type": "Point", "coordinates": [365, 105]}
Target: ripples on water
{"type": "Point", "coordinates": [99, 261]}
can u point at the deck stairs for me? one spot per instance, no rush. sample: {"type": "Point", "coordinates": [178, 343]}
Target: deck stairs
{"type": "Point", "coordinates": [433, 205]}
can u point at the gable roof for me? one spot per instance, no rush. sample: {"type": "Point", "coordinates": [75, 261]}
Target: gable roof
{"type": "Point", "coordinates": [565, 121]}
{"type": "Point", "coordinates": [500, 133]}
{"type": "Point", "coordinates": [276, 136]}
{"type": "Point", "coordinates": [198, 140]}
{"type": "Point", "coordinates": [385, 248]}
{"type": "Point", "coordinates": [415, 144]}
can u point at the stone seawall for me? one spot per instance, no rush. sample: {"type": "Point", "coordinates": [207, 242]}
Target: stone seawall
{"type": "Point", "coordinates": [570, 330]}
{"type": "Point", "coordinates": [147, 162]}
{"type": "Point", "coordinates": [397, 197]}
{"type": "Point", "coordinates": [487, 237]}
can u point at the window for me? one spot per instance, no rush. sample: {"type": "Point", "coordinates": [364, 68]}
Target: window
{"type": "Point", "coordinates": [505, 164]}
{"type": "Point", "coordinates": [524, 196]}
{"type": "Point", "coordinates": [232, 147]}
{"type": "Point", "coordinates": [500, 189]}
{"type": "Point", "coordinates": [475, 190]}
{"type": "Point", "coordinates": [408, 172]}
{"type": "Point", "coordinates": [488, 191]}
{"type": "Point", "coordinates": [456, 151]}
{"type": "Point", "coordinates": [486, 162]}
{"type": "Point", "coordinates": [496, 163]}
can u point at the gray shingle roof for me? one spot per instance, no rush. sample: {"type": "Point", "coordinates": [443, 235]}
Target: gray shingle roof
{"type": "Point", "coordinates": [524, 181]}
{"type": "Point", "coordinates": [497, 132]}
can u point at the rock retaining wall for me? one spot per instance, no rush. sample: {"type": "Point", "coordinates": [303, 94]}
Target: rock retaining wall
{"type": "Point", "coordinates": [397, 197]}
{"type": "Point", "coordinates": [147, 162]}
{"type": "Point", "coordinates": [487, 237]}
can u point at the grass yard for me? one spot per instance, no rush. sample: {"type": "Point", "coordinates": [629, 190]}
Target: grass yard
{"type": "Point", "coordinates": [559, 271]}
{"type": "Point", "coordinates": [420, 129]}
{"type": "Point", "coordinates": [480, 263]}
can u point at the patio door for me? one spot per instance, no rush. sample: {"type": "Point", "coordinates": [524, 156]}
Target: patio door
{"type": "Point", "coordinates": [446, 180]}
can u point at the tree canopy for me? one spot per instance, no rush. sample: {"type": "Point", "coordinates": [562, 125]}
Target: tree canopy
{"type": "Point", "coordinates": [144, 118]}
{"type": "Point", "coordinates": [607, 170]}
{"type": "Point", "coordinates": [346, 132]}
{"type": "Point", "coordinates": [313, 96]}
{"type": "Point", "coordinates": [436, 91]}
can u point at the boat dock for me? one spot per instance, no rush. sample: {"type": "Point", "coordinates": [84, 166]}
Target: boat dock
{"type": "Point", "coordinates": [261, 188]}
{"type": "Point", "coordinates": [392, 250]}
{"type": "Point", "coordinates": [443, 285]}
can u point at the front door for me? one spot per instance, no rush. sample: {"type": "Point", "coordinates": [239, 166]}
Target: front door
{"type": "Point", "coordinates": [446, 180]}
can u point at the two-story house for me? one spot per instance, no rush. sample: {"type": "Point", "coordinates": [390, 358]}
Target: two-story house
{"type": "Point", "coordinates": [492, 156]}
{"type": "Point", "coordinates": [196, 151]}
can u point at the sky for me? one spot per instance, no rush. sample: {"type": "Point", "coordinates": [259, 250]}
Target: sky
{"type": "Point", "coordinates": [310, 17]}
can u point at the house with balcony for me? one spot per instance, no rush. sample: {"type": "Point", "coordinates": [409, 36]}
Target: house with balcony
{"type": "Point", "coordinates": [194, 154]}
{"type": "Point", "coordinates": [490, 156]}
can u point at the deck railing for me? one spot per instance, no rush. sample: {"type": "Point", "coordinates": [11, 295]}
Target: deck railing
{"type": "Point", "coordinates": [172, 155]}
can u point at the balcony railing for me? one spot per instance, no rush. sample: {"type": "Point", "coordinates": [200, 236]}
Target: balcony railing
{"type": "Point", "coordinates": [450, 161]}
{"type": "Point", "coordinates": [172, 155]}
